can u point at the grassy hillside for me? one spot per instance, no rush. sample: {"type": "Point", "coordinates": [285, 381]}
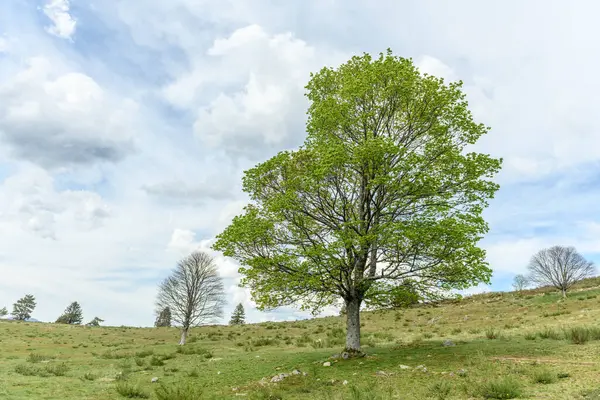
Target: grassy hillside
{"type": "Point", "coordinates": [530, 345]}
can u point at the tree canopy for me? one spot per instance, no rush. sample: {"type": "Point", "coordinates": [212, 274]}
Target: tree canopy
{"type": "Point", "coordinates": [381, 194]}
{"type": "Point", "coordinates": [73, 315]}
{"type": "Point", "coordinates": [95, 322]}
{"type": "Point", "coordinates": [560, 267]}
{"type": "Point", "coordinates": [23, 308]}
{"type": "Point", "coordinates": [164, 318]}
{"type": "Point", "coordinates": [193, 293]}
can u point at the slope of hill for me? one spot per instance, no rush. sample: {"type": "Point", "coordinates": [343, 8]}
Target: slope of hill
{"type": "Point", "coordinates": [497, 345]}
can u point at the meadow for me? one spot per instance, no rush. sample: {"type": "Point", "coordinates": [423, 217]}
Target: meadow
{"type": "Point", "coordinates": [528, 345]}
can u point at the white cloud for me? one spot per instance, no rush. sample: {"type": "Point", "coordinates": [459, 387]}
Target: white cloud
{"type": "Point", "coordinates": [30, 199]}
{"type": "Point", "coordinates": [269, 109]}
{"type": "Point", "coordinates": [60, 119]}
{"type": "Point", "coordinates": [4, 44]}
{"type": "Point", "coordinates": [63, 24]}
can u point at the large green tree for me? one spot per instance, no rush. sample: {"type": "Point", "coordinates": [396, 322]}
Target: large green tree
{"type": "Point", "coordinates": [23, 308]}
{"type": "Point", "coordinates": [73, 315]}
{"type": "Point", "coordinates": [382, 194]}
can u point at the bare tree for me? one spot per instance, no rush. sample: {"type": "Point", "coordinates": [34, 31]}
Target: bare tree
{"type": "Point", "coordinates": [193, 293]}
{"type": "Point", "coordinates": [520, 282]}
{"type": "Point", "coordinates": [560, 267]}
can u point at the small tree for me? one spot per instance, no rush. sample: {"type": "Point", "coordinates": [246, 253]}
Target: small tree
{"type": "Point", "coordinates": [520, 282]}
{"type": "Point", "coordinates": [382, 192]}
{"type": "Point", "coordinates": [73, 315]}
{"type": "Point", "coordinates": [95, 322]}
{"type": "Point", "coordinates": [238, 317]}
{"type": "Point", "coordinates": [559, 267]}
{"type": "Point", "coordinates": [23, 308]}
{"type": "Point", "coordinates": [3, 312]}
{"type": "Point", "coordinates": [164, 318]}
{"type": "Point", "coordinates": [194, 293]}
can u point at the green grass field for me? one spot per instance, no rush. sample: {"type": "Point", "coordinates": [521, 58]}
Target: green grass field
{"type": "Point", "coordinates": [529, 346]}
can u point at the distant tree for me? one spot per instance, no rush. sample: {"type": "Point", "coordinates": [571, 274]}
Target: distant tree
{"type": "Point", "coordinates": [3, 312]}
{"type": "Point", "coordinates": [385, 189]}
{"type": "Point", "coordinates": [193, 292]}
{"type": "Point", "coordinates": [163, 318]}
{"type": "Point", "coordinates": [73, 315]}
{"type": "Point", "coordinates": [560, 267]}
{"type": "Point", "coordinates": [520, 282]}
{"type": "Point", "coordinates": [23, 308]}
{"type": "Point", "coordinates": [239, 316]}
{"type": "Point", "coordinates": [95, 322]}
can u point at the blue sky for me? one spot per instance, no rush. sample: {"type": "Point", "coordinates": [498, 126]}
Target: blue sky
{"type": "Point", "coordinates": [126, 126]}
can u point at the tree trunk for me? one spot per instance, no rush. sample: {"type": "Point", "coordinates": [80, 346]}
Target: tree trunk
{"type": "Point", "coordinates": [184, 332]}
{"type": "Point", "coordinates": [353, 326]}
{"type": "Point", "coordinates": [564, 293]}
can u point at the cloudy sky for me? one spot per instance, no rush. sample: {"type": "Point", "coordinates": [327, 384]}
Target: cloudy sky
{"type": "Point", "coordinates": [125, 127]}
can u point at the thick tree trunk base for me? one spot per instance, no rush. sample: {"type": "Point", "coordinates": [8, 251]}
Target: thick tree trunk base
{"type": "Point", "coordinates": [184, 333]}
{"type": "Point", "coordinates": [353, 327]}
{"type": "Point", "coordinates": [354, 353]}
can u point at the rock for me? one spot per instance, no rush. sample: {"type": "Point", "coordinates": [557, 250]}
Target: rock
{"type": "Point", "coordinates": [327, 364]}
{"type": "Point", "coordinates": [345, 355]}
{"type": "Point", "coordinates": [420, 366]}
{"type": "Point", "coordinates": [448, 343]}
{"type": "Point", "coordinates": [381, 373]}
{"type": "Point", "coordinates": [235, 389]}
{"type": "Point", "coordinates": [219, 373]}
{"type": "Point", "coordinates": [424, 369]}
{"type": "Point", "coordinates": [276, 378]}
{"type": "Point", "coordinates": [304, 373]}
{"type": "Point", "coordinates": [345, 383]}
{"type": "Point", "coordinates": [154, 380]}
{"type": "Point", "coordinates": [404, 366]}
{"type": "Point", "coordinates": [296, 372]}
{"type": "Point", "coordinates": [461, 372]}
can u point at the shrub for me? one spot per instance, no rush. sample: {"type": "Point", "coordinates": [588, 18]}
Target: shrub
{"type": "Point", "coordinates": [144, 353]}
{"type": "Point", "coordinates": [130, 392]}
{"type": "Point", "coordinates": [549, 333]}
{"type": "Point", "coordinates": [36, 358]}
{"type": "Point", "coordinates": [440, 390]}
{"type": "Point", "coordinates": [184, 392]}
{"type": "Point", "coordinates": [506, 388]}
{"type": "Point", "coordinates": [156, 362]}
{"type": "Point", "coordinates": [264, 341]}
{"type": "Point", "coordinates": [188, 350]}
{"type": "Point", "coordinates": [544, 376]}
{"type": "Point", "coordinates": [578, 335]}
{"type": "Point", "coordinates": [57, 369]}
{"type": "Point", "coordinates": [26, 370]}
{"type": "Point", "coordinates": [492, 333]}
{"type": "Point", "coordinates": [530, 336]}
{"type": "Point", "coordinates": [88, 376]}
